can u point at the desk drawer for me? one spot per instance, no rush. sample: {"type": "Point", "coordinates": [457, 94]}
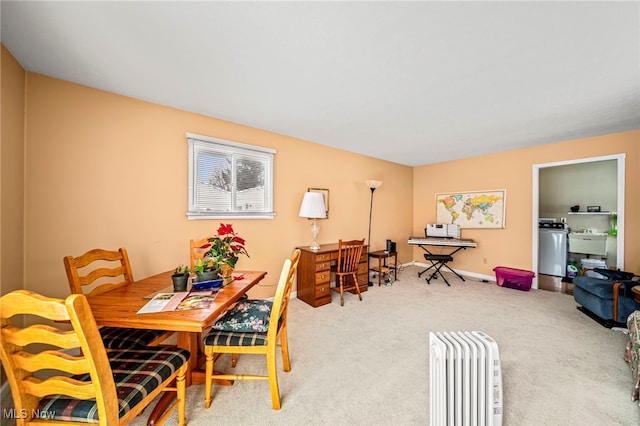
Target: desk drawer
{"type": "Point", "coordinates": [323, 257]}
{"type": "Point", "coordinates": [323, 266]}
{"type": "Point", "coordinates": [323, 290]}
{"type": "Point", "coordinates": [362, 268]}
{"type": "Point", "coordinates": [323, 277]}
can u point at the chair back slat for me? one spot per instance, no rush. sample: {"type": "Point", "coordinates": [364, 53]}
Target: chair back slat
{"type": "Point", "coordinates": [42, 334]}
{"type": "Point", "coordinates": [349, 253]}
{"type": "Point", "coordinates": [55, 360]}
{"type": "Point", "coordinates": [104, 266]}
{"type": "Point", "coordinates": [60, 385]}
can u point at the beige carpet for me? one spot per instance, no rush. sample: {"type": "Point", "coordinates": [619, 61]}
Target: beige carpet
{"type": "Point", "coordinates": [367, 363]}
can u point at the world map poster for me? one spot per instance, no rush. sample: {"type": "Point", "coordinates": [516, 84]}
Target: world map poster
{"type": "Point", "coordinates": [478, 209]}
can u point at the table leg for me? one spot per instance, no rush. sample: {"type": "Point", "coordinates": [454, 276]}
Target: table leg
{"type": "Point", "coordinates": [188, 341]}
{"type": "Point", "coordinates": [379, 270]}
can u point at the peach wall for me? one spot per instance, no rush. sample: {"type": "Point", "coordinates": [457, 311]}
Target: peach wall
{"type": "Point", "coordinates": [512, 170]}
{"type": "Point", "coordinates": [12, 174]}
{"type": "Point", "coordinates": [105, 170]}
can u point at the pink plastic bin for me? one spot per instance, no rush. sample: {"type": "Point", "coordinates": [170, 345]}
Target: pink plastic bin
{"type": "Point", "coordinates": [513, 278]}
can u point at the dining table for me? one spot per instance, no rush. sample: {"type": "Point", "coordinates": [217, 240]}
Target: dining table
{"type": "Point", "coordinates": [119, 308]}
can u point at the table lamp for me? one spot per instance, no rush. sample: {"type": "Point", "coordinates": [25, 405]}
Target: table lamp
{"type": "Point", "coordinates": [313, 207]}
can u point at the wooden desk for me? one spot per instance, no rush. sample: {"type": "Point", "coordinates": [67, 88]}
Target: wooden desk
{"type": "Point", "coordinates": [314, 273]}
{"type": "Point", "coordinates": [119, 307]}
{"type": "Point", "coordinates": [382, 256]}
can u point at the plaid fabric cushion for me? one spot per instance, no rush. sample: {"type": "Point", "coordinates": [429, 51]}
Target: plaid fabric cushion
{"type": "Point", "coordinates": [232, 338]}
{"type": "Point", "coordinates": [136, 372]}
{"type": "Point", "coordinates": [127, 338]}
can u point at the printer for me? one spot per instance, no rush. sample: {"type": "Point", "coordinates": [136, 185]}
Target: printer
{"type": "Point", "coordinates": [442, 230]}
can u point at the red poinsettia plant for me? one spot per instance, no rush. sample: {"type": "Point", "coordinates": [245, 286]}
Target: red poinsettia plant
{"type": "Point", "coordinates": [225, 247]}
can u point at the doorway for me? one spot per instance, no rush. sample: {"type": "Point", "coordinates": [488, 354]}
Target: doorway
{"type": "Point", "coordinates": [620, 165]}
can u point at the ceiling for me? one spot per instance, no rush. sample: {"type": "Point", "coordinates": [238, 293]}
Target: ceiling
{"type": "Point", "coordinates": [410, 82]}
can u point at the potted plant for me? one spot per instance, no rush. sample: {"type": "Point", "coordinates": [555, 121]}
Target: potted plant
{"type": "Point", "coordinates": [223, 251]}
{"type": "Point", "coordinates": [205, 270]}
{"type": "Point", "coordinates": [180, 277]}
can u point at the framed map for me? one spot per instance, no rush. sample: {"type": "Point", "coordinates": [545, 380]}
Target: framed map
{"type": "Point", "coordinates": [476, 209]}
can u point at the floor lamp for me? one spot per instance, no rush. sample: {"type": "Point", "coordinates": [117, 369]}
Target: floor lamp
{"type": "Point", "coordinates": [373, 185]}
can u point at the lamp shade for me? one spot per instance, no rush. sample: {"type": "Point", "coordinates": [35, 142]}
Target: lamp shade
{"type": "Point", "coordinates": [313, 206]}
{"type": "Point", "coordinates": [373, 184]}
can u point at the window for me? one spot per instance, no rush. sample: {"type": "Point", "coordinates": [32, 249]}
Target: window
{"type": "Point", "coordinates": [229, 180]}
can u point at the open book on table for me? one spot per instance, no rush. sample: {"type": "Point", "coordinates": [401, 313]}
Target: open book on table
{"type": "Point", "coordinates": [166, 302]}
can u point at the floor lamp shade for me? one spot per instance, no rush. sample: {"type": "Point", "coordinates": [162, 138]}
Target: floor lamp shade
{"type": "Point", "coordinates": [313, 207]}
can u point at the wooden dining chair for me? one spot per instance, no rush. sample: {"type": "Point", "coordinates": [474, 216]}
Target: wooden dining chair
{"type": "Point", "coordinates": [254, 327]}
{"type": "Point", "coordinates": [346, 269]}
{"type": "Point", "coordinates": [99, 269]}
{"type": "Point", "coordinates": [63, 376]}
{"type": "Point", "coordinates": [197, 249]}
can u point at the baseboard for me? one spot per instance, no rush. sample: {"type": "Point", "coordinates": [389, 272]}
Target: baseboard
{"type": "Point", "coordinates": [480, 277]}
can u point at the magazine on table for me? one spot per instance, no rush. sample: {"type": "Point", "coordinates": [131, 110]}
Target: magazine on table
{"type": "Point", "coordinates": [179, 301]}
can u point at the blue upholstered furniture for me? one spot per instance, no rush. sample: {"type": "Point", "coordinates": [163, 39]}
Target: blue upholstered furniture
{"type": "Point", "coordinates": [609, 301]}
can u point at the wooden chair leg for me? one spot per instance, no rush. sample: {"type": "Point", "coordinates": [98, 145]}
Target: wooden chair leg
{"type": "Point", "coordinates": [182, 397]}
{"type": "Point", "coordinates": [355, 280]}
{"type": "Point", "coordinates": [284, 347]}
{"type": "Point", "coordinates": [273, 379]}
{"type": "Point", "coordinates": [341, 292]}
{"type": "Point", "coordinates": [207, 378]}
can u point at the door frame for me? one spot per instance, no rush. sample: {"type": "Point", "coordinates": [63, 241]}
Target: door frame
{"type": "Point", "coordinates": [620, 159]}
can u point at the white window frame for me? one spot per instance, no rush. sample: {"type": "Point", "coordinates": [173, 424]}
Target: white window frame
{"type": "Point", "coordinates": [199, 143]}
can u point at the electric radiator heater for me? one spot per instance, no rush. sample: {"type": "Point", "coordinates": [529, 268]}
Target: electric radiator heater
{"type": "Point", "coordinates": [465, 379]}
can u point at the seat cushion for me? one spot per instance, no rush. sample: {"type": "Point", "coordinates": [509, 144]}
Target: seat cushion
{"type": "Point", "coordinates": [246, 316]}
{"type": "Point", "coordinates": [232, 338]}
{"type": "Point", "coordinates": [128, 338]}
{"type": "Point", "coordinates": [598, 287]}
{"type": "Point", "coordinates": [439, 257]}
{"type": "Point", "coordinates": [136, 373]}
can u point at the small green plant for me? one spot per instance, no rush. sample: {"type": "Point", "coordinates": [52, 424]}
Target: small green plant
{"type": "Point", "coordinates": [181, 270]}
{"type": "Point", "coordinates": [203, 266]}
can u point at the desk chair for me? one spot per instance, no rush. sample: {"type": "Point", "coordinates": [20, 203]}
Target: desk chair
{"type": "Point", "coordinates": [349, 253]}
{"type": "Point", "coordinates": [107, 265]}
{"type": "Point", "coordinates": [254, 327]}
{"type": "Point", "coordinates": [69, 377]}
{"type": "Point", "coordinates": [439, 261]}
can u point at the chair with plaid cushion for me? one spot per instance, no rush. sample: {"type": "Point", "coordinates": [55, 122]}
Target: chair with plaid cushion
{"type": "Point", "coordinates": [254, 327]}
{"type": "Point", "coordinates": [100, 266]}
{"type": "Point", "coordinates": [67, 377]}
